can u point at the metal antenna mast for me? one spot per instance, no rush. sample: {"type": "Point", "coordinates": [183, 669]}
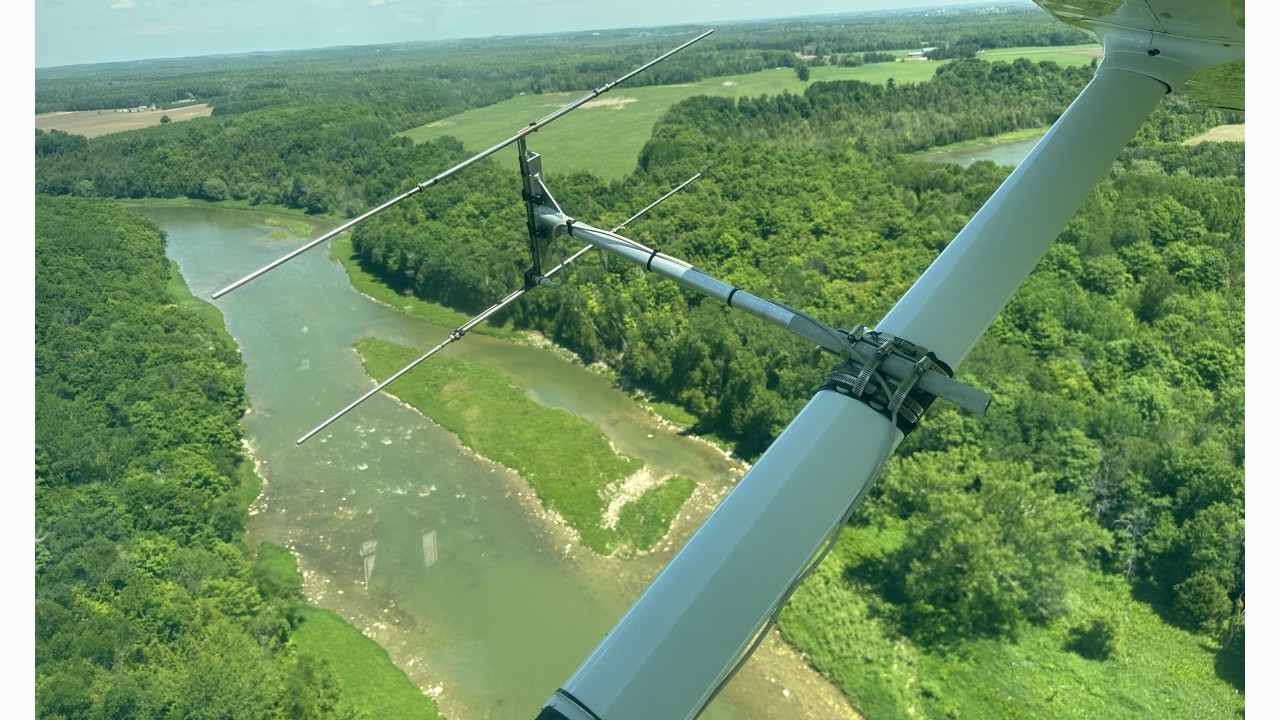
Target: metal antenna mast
{"type": "Point", "coordinates": [528, 130]}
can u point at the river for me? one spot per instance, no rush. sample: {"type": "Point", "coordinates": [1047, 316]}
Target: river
{"type": "Point", "coordinates": [1008, 154]}
{"type": "Point", "coordinates": [482, 599]}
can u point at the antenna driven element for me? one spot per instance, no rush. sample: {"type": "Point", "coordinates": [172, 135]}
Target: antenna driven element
{"type": "Point", "coordinates": [465, 327]}
{"type": "Point", "coordinates": [529, 129]}
{"type": "Point", "coordinates": [537, 199]}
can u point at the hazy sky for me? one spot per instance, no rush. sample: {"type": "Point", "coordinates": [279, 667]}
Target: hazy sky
{"type": "Point", "coordinates": [70, 32]}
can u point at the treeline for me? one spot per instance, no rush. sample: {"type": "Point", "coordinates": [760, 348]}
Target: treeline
{"type": "Point", "coordinates": [146, 604]}
{"type": "Point", "coordinates": [407, 85]}
{"type": "Point", "coordinates": [965, 100]}
{"type": "Point", "coordinates": [1119, 375]}
{"type": "Point", "coordinates": [341, 157]}
{"type": "Point", "coordinates": [994, 26]}
{"type": "Point", "coordinates": [322, 158]}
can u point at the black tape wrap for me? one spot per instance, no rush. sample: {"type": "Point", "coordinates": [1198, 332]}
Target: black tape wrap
{"type": "Point", "coordinates": [649, 265]}
{"type": "Point", "coordinates": [844, 379]}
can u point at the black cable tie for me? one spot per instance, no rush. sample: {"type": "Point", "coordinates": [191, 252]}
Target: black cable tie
{"type": "Point", "coordinates": [649, 265]}
{"type": "Point", "coordinates": [568, 225]}
{"type": "Point", "coordinates": [729, 300]}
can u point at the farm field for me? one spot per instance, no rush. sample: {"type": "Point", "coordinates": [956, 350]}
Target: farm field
{"type": "Point", "coordinates": [1222, 133]}
{"type": "Point", "coordinates": [1066, 55]}
{"type": "Point", "coordinates": [605, 136]}
{"type": "Point", "coordinates": [92, 123]}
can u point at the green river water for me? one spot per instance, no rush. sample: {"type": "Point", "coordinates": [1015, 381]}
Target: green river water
{"type": "Point", "coordinates": [512, 604]}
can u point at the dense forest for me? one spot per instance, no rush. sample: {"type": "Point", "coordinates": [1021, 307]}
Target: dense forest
{"type": "Point", "coordinates": [1117, 369]}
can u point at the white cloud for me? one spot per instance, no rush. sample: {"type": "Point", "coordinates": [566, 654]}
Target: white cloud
{"type": "Point", "coordinates": [124, 5]}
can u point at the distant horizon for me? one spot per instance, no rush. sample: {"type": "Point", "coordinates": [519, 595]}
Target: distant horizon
{"type": "Point", "coordinates": [96, 32]}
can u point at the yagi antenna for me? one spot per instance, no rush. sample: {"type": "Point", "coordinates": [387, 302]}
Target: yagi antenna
{"type": "Point", "coordinates": [529, 129]}
{"type": "Point", "coordinates": [456, 335]}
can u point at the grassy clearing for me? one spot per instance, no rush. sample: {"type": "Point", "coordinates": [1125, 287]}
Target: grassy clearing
{"type": "Point", "coordinates": [841, 620]}
{"type": "Point", "coordinates": [565, 459]}
{"type": "Point", "coordinates": [288, 227]}
{"type": "Point", "coordinates": [605, 137]}
{"type": "Point", "coordinates": [368, 284]}
{"type": "Point", "coordinates": [279, 565]}
{"type": "Point", "coordinates": [672, 413]}
{"type": "Point", "coordinates": [645, 521]}
{"type": "Point", "coordinates": [369, 680]}
{"type": "Point", "coordinates": [249, 485]}
{"type": "Point", "coordinates": [1222, 133]}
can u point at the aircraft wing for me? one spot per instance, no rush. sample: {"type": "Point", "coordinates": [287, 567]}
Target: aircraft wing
{"type": "Point", "coordinates": [1196, 21]}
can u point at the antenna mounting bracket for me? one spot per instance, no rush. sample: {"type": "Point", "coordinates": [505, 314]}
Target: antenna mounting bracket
{"type": "Point", "coordinates": [537, 201]}
{"type": "Point", "coordinates": [894, 392]}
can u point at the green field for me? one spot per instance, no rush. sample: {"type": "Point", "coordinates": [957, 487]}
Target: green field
{"type": "Point", "coordinates": [565, 459]}
{"type": "Point", "coordinates": [1067, 56]}
{"type": "Point", "coordinates": [605, 136]}
{"type": "Point", "coordinates": [1156, 671]}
